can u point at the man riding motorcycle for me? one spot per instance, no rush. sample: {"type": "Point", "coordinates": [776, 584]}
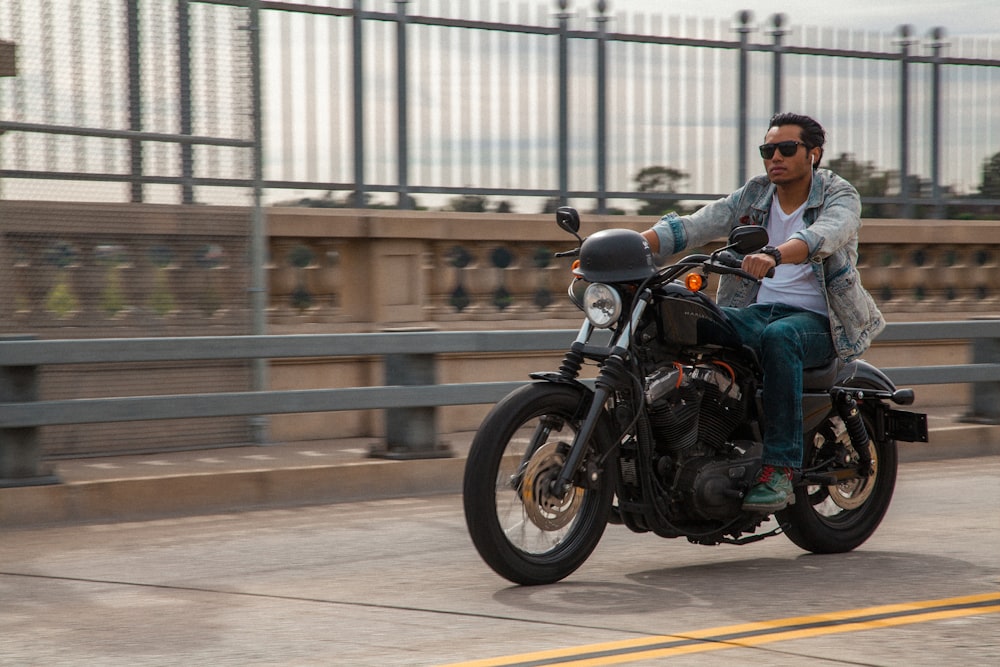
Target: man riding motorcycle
{"type": "Point", "coordinates": [813, 309]}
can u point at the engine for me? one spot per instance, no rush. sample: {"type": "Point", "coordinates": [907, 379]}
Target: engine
{"type": "Point", "coordinates": [693, 411]}
{"type": "Point", "coordinates": [692, 404]}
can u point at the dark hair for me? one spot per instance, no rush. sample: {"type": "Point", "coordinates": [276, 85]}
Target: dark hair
{"type": "Point", "coordinates": [812, 133]}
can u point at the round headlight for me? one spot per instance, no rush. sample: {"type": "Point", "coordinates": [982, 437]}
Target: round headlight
{"type": "Point", "coordinates": [602, 304]}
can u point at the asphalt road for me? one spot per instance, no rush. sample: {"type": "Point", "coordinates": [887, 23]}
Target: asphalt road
{"type": "Point", "coordinates": [398, 583]}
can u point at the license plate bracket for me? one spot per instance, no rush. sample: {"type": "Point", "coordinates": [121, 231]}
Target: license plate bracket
{"type": "Point", "coordinates": [905, 425]}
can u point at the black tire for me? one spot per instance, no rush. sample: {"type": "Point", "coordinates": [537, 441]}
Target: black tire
{"type": "Point", "coordinates": [840, 517]}
{"type": "Point", "coordinates": [536, 539]}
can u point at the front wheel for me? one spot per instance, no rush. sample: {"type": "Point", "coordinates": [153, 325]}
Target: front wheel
{"type": "Point", "coordinates": [524, 532]}
{"type": "Point", "coordinates": [839, 517]}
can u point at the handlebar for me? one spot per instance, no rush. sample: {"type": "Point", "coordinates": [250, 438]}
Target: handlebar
{"type": "Point", "coordinates": [725, 262]}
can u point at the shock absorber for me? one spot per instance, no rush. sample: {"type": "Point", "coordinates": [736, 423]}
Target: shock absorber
{"type": "Point", "coordinates": [847, 408]}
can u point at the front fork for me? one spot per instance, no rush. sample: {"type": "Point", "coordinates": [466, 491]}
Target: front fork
{"type": "Point", "coordinates": [614, 375]}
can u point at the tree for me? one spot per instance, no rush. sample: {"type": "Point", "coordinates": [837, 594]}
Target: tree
{"type": "Point", "coordinates": [867, 179]}
{"type": "Point", "coordinates": [468, 204]}
{"type": "Point", "coordinates": [657, 179]}
{"type": "Point", "coordinates": [551, 204]}
{"type": "Point", "coordinates": [990, 187]}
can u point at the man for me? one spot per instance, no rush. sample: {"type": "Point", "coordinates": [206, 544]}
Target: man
{"type": "Point", "coordinates": [813, 309]}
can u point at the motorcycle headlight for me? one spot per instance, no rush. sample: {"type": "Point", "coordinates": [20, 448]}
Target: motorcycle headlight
{"type": "Point", "coordinates": [602, 304]}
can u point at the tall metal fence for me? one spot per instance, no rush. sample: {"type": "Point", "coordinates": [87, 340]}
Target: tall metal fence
{"type": "Point", "coordinates": [107, 101]}
{"type": "Point", "coordinates": [427, 102]}
{"type": "Point", "coordinates": [142, 141]}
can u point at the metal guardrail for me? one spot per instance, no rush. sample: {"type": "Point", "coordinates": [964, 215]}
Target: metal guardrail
{"type": "Point", "coordinates": [25, 353]}
{"type": "Point", "coordinates": [21, 413]}
{"type": "Point", "coordinates": [29, 353]}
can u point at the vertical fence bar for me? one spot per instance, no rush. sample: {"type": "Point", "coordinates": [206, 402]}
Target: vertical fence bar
{"type": "Point", "coordinates": [359, 197]}
{"type": "Point", "coordinates": [79, 83]}
{"type": "Point", "coordinates": [184, 92]}
{"type": "Point", "coordinates": [778, 20]}
{"type": "Point", "coordinates": [563, 102]}
{"type": "Point", "coordinates": [904, 121]}
{"type": "Point", "coordinates": [258, 232]}
{"type": "Point", "coordinates": [43, 8]}
{"type": "Point", "coordinates": [743, 29]}
{"type": "Point", "coordinates": [936, 45]}
{"type": "Point", "coordinates": [402, 139]}
{"type": "Point", "coordinates": [134, 97]}
{"type": "Point", "coordinates": [602, 108]}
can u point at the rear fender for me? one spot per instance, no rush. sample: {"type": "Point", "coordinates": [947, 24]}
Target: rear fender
{"type": "Point", "coordinates": [889, 424]}
{"type": "Point", "coordinates": [862, 374]}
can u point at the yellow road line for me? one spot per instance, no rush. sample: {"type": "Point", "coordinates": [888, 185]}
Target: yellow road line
{"type": "Point", "coordinates": [750, 634]}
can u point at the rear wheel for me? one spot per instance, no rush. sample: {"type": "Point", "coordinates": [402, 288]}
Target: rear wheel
{"type": "Point", "coordinates": [835, 518]}
{"type": "Point", "coordinates": [520, 528]}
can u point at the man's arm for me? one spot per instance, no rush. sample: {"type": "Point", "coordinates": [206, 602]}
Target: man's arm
{"type": "Point", "coordinates": [673, 233]}
{"type": "Point", "coordinates": [653, 239]}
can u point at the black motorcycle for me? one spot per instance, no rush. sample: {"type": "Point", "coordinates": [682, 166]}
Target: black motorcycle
{"type": "Point", "coordinates": [667, 439]}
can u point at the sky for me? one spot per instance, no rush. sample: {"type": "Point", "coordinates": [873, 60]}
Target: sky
{"type": "Point", "coordinates": [958, 17]}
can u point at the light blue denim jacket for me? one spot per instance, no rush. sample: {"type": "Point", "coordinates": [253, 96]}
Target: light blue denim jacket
{"type": "Point", "coordinates": [832, 218]}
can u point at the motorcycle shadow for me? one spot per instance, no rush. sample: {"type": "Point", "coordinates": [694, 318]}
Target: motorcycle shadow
{"type": "Point", "coordinates": [859, 577]}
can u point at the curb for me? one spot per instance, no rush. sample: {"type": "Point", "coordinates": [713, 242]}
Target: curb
{"type": "Point", "coordinates": [144, 498]}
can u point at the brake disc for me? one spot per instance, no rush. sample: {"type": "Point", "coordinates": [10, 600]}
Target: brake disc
{"type": "Point", "coordinates": [546, 510]}
{"type": "Point", "coordinates": [852, 493]}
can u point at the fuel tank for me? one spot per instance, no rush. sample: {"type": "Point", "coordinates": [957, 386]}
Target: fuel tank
{"type": "Point", "coordinates": [691, 319]}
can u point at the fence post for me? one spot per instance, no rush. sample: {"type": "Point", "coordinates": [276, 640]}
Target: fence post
{"type": "Point", "coordinates": [20, 448]}
{"type": "Point", "coordinates": [259, 424]}
{"type": "Point", "coordinates": [402, 140]}
{"type": "Point", "coordinates": [744, 28]}
{"type": "Point", "coordinates": [778, 20]}
{"type": "Point", "coordinates": [602, 108]}
{"type": "Point", "coordinates": [904, 121]}
{"type": "Point", "coordinates": [184, 95]}
{"type": "Point", "coordinates": [937, 44]}
{"type": "Point", "coordinates": [563, 161]}
{"type": "Point", "coordinates": [411, 433]}
{"type": "Point", "coordinates": [985, 404]}
{"type": "Point", "coordinates": [359, 196]}
{"type": "Point", "coordinates": [134, 98]}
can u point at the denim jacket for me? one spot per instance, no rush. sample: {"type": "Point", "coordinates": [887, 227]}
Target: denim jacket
{"type": "Point", "coordinates": [832, 218]}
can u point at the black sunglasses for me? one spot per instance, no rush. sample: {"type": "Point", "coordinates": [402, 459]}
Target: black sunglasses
{"type": "Point", "coordinates": [787, 148]}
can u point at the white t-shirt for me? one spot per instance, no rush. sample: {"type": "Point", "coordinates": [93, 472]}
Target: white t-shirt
{"type": "Point", "coordinates": [792, 284]}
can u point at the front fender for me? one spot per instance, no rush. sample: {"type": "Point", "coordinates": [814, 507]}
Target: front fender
{"type": "Point", "coordinates": [586, 393]}
{"type": "Point", "coordinates": [559, 378]}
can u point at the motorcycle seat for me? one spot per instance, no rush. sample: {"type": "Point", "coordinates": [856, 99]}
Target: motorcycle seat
{"type": "Point", "coordinates": [821, 377]}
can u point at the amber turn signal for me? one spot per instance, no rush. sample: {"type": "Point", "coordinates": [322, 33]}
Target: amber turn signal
{"type": "Point", "coordinates": [694, 282]}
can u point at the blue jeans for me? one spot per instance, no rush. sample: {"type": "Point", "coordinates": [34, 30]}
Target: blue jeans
{"type": "Point", "coordinates": [786, 340]}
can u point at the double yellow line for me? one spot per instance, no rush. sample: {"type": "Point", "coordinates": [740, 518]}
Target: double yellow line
{"type": "Point", "coordinates": [750, 634]}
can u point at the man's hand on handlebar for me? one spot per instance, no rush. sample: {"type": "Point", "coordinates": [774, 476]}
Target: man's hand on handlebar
{"type": "Point", "coordinates": [759, 265]}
